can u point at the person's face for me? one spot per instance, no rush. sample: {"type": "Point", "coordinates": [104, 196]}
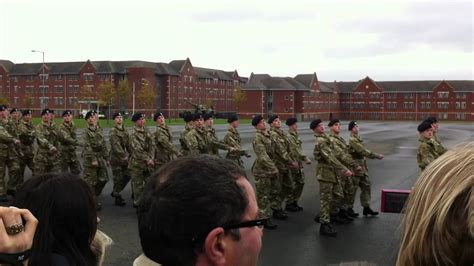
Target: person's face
{"type": "Point", "coordinates": [355, 129]}
{"type": "Point", "coordinates": [247, 249]}
{"type": "Point", "coordinates": [235, 124]}
{"type": "Point", "coordinates": [4, 113]}
{"type": "Point", "coordinates": [210, 122]}
{"type": "Point", "coordinates": [67, 118]}
{"type": "Point", "coordinates": [435, 127]}
{"type": "Point", "coordinates": [199, 123]}
{"type": "Point", "coordinates": [261, 125]}
{"type": "Point", "coordinates": [46, 118]}
{"type": "Point", "coordinates": [276, 123]}
{"type": "Point", "coordinates": [141, 122]}
{"type": "Point", "coordinates": [427, 133]}
{"type": "Point", "coordinates": [118, 120]}
{"type": "Point", "coordinates": [92, 120]}
{"type": "Point", "coordinates": [336, 128]}
{"type": "Point", "coordinates": [161, 120]}
{"type": "Point", "coordinates": [294, 127]}
{"type": "Point", "coordinates": [15, 116]}
{"type": "Point", "coordinates": [319, 128]}
{"type": "Point", "coordinates": [27, 117]}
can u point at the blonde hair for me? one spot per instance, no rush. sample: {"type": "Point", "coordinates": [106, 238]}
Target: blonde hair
{"type": "Point", "coordinates": [99, 244]}
{"type": "Point", "coordinates": [438, 227]}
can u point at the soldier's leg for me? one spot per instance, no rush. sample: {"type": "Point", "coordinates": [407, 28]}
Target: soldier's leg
{"type": "Point", "coordinates": [40, 165]}
{"type": "Point", "coordinates": [3, 188]}
{"type": "Point", "coordinates": [353, 193]}
{"type": "Point", "coordinates": [139, 177]}
{"type": "Point", "coordinates": [364, 191]}
{"type": "Point", "coordinates": [262, 187]}
{"type": "Point", "coordinates": [325, 201]}
{"type": "Point", "coordinates": [64, 164]}
{"type": "Point", "coordinates": [22, 164]}
{"type": "Point", "coordinates": [90, 175]}
{"type": "Point", "coordinates": [15, 179]}
{"type": "Point", "coordinates": [297, 177]}
{"type": "Point", "coordinates": [276, 197]}
{"type": "Point", "coordinates": [28, 160]}
{"type": "Point", "coordinates": [102, 177]}
{"type": "Point", "coordinates": [75, 167]}
{"type": "Point", "coordinates": [121, 177]}
{"type": "Point", "coordinates": [287, 187]}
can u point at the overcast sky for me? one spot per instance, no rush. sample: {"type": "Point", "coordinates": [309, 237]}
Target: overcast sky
{"type": "Point", "coordinates": [339, 40]}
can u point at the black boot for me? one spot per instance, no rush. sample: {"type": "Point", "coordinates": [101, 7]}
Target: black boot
{"type": "Point", "coordinates": [351, 213]}
{"type": "Point", "coordinates": [298, 206]}
{"type": "Point", "coordinates": [119, 201]}
{"type": "Point", "coordinates": [343, 214]}
{"type": "Point", "coordinates": [270, 225]}
{"type": "Point", "coordinates": [335, 218]}
{"type": "Point", "coordinates": [327, 230]}
{"type": "Point", "coordinates": [368, 210]}
{"type": "Point", "coordinates": [279, 215]}
{"type": "Point", "coordinates": [292, 207]}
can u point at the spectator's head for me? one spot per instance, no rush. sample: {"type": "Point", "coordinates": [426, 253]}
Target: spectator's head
{"type": "Point", "coordinates": [438, 227]}
{"type": "Point", "coordinates": [192, 211]}
{"type": "Point", "coordinates": [65, 208]}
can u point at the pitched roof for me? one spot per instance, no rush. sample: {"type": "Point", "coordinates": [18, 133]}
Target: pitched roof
{"type": "Point", "coordinates": [305, 79]}
{"type": "Point", "coordinates": [209, 73]}
{"type": "Point", "coordinates": [415, 86]}
{"type": "Point", "coordinates": [461, 85]}
{"type": "Point", "coordinates": [7, 64]}
{"type": "Point", "coordinates": [177, 64]}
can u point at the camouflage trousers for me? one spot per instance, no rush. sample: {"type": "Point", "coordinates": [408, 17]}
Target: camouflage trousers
{"type": "Point", "coordinates": [45, 164]}
{"type": "Point", "coordinates": [121, 177]}
{"type": "Point", "coordinates": [236, 160]}
{"type": "Point", "coordinates": [140, 174]}
{"type": "Point", "coordinates": [362, 181]}
{"type": "Point", "coordinates": [13, 170]}
{"type": "Point", "coordinates": [70, 164]}
{"type": "Point", "coordinates": [330, 196]}
{"type": "Point", "coordinates": [297, 178]}
{"type": "Point", "coordinates": [26, 160]}
{"type": "Point", "coordinates": [268, 188]}
{"type": "Point", "coordinates": [286, 188]}
{"type": "Point", "coordinates": [347, 186]}
{"type": "Point", "coordinates": [96, 175]}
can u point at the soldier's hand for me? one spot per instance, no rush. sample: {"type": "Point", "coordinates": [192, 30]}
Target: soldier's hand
{"type": "Point", "coordinates": [125, 158]}
{"type": "Point", "coordinates": [150, 162]}
{"type": "Point", "coordinates": [294, 165]}
{"type": "Point", "coordinates": [53, 149]}
{"type": "Point", "coordinates": [248, 155]}
{"type": "Point", "coordinates": [380, 157]}
{"type": "Point", "coordinates": [358, 168]}
{"type": "Point", "coordinates": [95, 163]}
{"type": "Point", "coordinates": [348, 173]}
{"type": "Point", "coordinates": [307, 161]}
{"type": "Point", "coordinates": [275, 172]}
{"type": "Point", "coordinates": [17, 141]}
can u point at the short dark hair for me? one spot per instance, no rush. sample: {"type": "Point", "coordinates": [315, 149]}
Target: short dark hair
{"type": "Point", "coordinates": [183, 202]}
{"type": "Point", "coordinates": [65, 208]}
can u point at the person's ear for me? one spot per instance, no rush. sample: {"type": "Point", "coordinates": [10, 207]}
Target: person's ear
{"type": "Point", "coordinates": [215, 246]}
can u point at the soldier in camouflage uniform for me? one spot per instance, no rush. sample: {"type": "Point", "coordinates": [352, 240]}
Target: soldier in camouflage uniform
{"type": "Point", "coordinates": [435, 139]}
{"type": "Point", "coordinates": [297, 174]}
{"type": "Point", "coordinates": [46, 160]}
{"type": "Point", "coordinates": [283, 161]}
{"type": "Point", "coordinates": [27, 134]}
{"type": "Point", "coordinates": [264, 170]}
{"type": "Point", "coordinates": [327, 170]}
{"type": "Point", "coordinates": [188, 119]}
{"type": "Point", "coordinates": [95, 155]}
{"type": "Point", "coordinates": [427, 149]}
{"type": "Point", "coordinates": [12, 126]}
{"type": "Point", "coordinates": [342, 154]}
{"type": "Point", "coordinates": [68, 139]}
{"type": "Point", "coordinates": [164, 148]}
{"type": "Point", "coordinates": [119, 158]}
{"type": "Point", "coordinates": [232, 139]}
{"type": "Point", "coordinates": [7, 145]}
{"type": "Point", "coordinates": [196, 139]}
{"type": "Point", "coordinates": [141, 163]}
{"type": "Point", "coordinates": [213, 142]}
{"type": "Point", "coordinates": [361, 179]}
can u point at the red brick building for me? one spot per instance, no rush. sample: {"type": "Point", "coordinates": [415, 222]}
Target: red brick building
{"type": "Point", "coordinates": [63, 86]}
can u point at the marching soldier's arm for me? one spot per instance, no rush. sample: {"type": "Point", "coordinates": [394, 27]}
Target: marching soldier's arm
{"type": "Point", "coordinates": [138, 149]}
{"type": "Point", "coordinates": [89, 139]}
{"type": "Point", "coordinates": [262, 156]}
{"type": "Point", "coordinates": [426, 155]}
{"type": "Point", "coordinates": [295, 147]}
{"type": "Point", "coordinates": [192, 142]}
{"type": "Point", "coordinates": [5, 137]}
{"type": "Point", "coordinates": [325, 153]}
{"type": "Point", "coordinates": [65, 137]}
{"type": "Point", "coordinates": [231, 141]}
{"type": "Point", "coordinates": [281, 148]}
{"type": "Point", "coordinates": [163, 140]}
{"type": "Point", "coordinates": [360, 149]}
{"type": "Point", "coordinates": [42, 141]}
{"type": "Point", "coordinates": [116, 145]}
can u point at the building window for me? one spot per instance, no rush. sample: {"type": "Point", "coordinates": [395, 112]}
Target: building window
{"type": "Point", "coordinates": [73, 77]}
{"type": "Point", "coordinates": [29, 78]}
{"type": "Point", "coordinates": [43, 89]}
{"type": "Point", "coordinates": [88, 76]}
{"type": "Point", "coordinates": [43, 77]}
{"type": "Point", "coordinates": [58, 89]}
{"type": "Point", "coordinates": [58, 77]}
{"type": "Point", "coordinates": [443, 94]}
{"type": "Point", "coordinates": [14, 79]}
{"type": "Point", "coordinates": [287, 98]}
{"type": "Point", "coordinates": [15, 100]}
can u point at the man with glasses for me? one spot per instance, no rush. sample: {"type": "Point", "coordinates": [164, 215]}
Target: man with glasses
{"type": "Point", "coordinates": [199, 210]}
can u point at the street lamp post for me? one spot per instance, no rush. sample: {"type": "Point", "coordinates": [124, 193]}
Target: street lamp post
{"type": "Point", "coordinates": [42, 78]}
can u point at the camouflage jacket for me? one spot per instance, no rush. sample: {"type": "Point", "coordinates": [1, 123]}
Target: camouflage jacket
{"type": "Point", "coordinates": [265, 152]}
{"type": "Point", "coordinates": [328, 165]}
{"type": "Point", "coordinates": [47, 138]}
{"type": "Point", "coordinates": [67, 139]}
{"type": "Point", "coordinates": [426, 152]}
{"type": "Point", "coordinates": [27, 136]}
{"type": "Point", "coordinates": [10, 149]}
{"type": "Point", "coordinates": [183, 140]}
{"type": "Point", "coordinates": [119, 145]}
{"type": "Point", "coordinates": [296, 151]}
{"type": "Point", "coordinates": [359, 152]}
{"type": "Point", "coordinates": [213, 141]}
{"type": "Point", "coordinates": [141, 147]}
{"type": "Point", "coordinates": [197, 141]}
{"type": "Point", "coordinates": [437, 144]}
{"type": "Point", "coordinates": [6, 140]}
{"type": "Point", "coordinates": [232, 139]}
{"type": "Point", "coordinates": [342, 151]}
{"type": "Point", "coordinates": [95, 148]}
{"type": "Point", "coordinates": [165, 150]}
{"type": "Point", "coordinates": [281, 145]}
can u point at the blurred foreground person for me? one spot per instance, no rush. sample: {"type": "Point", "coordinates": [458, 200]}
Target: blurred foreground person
{"type": "Point", "coordinates": [65, 206]}
{"type": "Point", "coordinates": [199, 210]}
{"type": "Point", "coordinates": [438, 227]}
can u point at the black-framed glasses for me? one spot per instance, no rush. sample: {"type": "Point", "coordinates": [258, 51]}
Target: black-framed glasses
{"type": "Point", "coordinates": [258, 222]}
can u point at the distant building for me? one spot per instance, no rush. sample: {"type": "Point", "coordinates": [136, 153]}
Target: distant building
{"type": "Point", "coordinates": [77, 86]}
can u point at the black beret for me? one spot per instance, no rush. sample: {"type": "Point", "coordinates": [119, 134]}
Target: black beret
{"type": "Point", "coordinates": [27, 112]}
{"type": "Point", "coordinates": [424, 126]}
{"type": "Point", "coordinates": [188, 117]}
{"type": "Point", "coordinates": [116, 114]}
{"type": "Point", "coordinates": [352, 124]}
{"type": "Point", "coordinates": [46, 111]}
{"type": "Point", "coordinates": [89, 114]}
{"type": "Point", "coordinates": [232, 118]}
{"type": "Point", "coordinates": [272, 118]}
{"type": "Point", "coordinates": [291, 121]}
{"type": "Point", "coordinates": [332, 122]}
{"type": "Point", "coordinates": [67, 112]}
{"type": "Point", "coordinates": [14, 110]}
{"type": "Point", "coordinates": [315, 123]}
{"type": "Point", "coordinates": [207, 116]}
{"type": "Point", "coordinates": [431, 120]}
{"type": "Point", "coordinates": [3, 107]}
{"type": "Point", "coordinates": [197, 116]}
{"type": "Point", "coordinates": [256, 119]}
{"type": "Point", "coordinates": [137, 116]}
{"type": "Point", "coordinates": [156, 115]}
